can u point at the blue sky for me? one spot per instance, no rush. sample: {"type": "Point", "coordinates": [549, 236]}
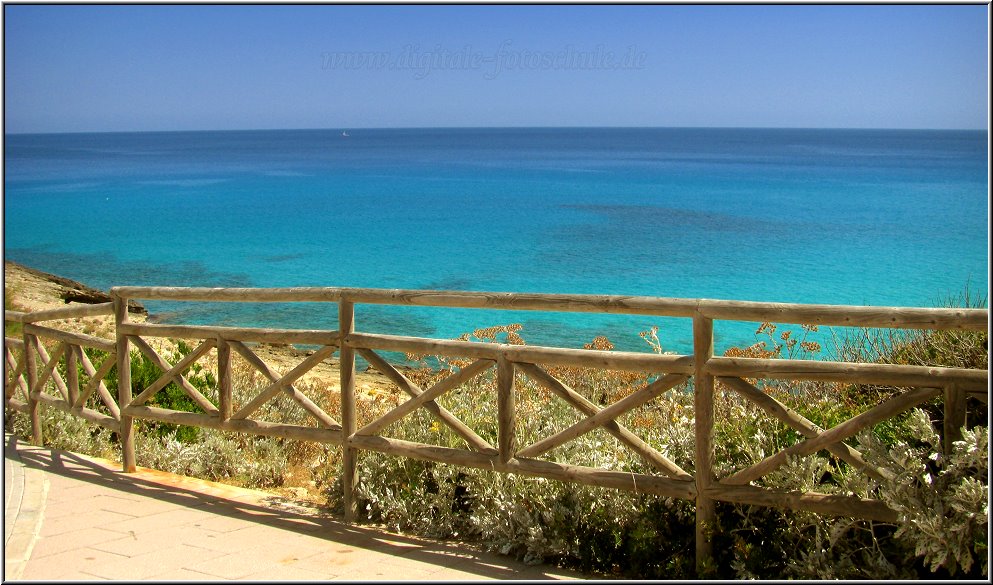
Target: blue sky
{"type": "Point", "coordinates": [73, 68]}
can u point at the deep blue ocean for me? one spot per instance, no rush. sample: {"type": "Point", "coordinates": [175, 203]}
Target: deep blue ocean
{"type": "Point", "coordinates": [864, 217]}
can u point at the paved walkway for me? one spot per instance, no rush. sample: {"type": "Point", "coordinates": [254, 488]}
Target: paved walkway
{"type": "Point", "coordinates": [72, 517]}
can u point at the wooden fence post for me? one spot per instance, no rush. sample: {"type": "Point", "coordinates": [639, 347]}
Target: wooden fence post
{"type": "Point", "coordinates": [31, 367]}
{"type": "Point", "coordinates": [954, 417]}
{"type": "Point", "coordinates": [506, 433]}
{"type": "Point", "coordinates": [224, 405]}
{"type": "Point", "coordinates": [72, 373]}
{"type": "Point", "coordinates": [703, 411]}
{"type": "Point", "coordinates": [346, 365]}
{"type": "Point", "coordinates": [129, 463]}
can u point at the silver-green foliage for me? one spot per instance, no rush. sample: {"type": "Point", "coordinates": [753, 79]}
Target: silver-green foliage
{"type": "Point", "coordinates": [942, 502]}
{"type": "Point", "coordinates": [61, 430]}
{"type": "Point", "coordinates": [257, 461]}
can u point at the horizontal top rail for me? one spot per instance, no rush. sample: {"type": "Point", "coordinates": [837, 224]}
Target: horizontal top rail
{"type": "Point", "coordinates": [81, 339]}
{"type": "Point", "coordinates": [887, 374]}
{"type": "Point", "coordinates": [589, 358]}
{"type": "Point", "coordinates": [261, 335]}
{"type": "Point", "coordinates": [60, 313]}
{"type": "Point", "coordinates": [839, 315]}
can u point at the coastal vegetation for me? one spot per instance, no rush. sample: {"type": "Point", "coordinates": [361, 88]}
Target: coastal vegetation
{"type": "Point", "coordinates": [939, 491]}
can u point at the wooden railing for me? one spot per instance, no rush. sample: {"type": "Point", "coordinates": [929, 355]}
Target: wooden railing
{"type": "Point", "coordinates": [33, 379]}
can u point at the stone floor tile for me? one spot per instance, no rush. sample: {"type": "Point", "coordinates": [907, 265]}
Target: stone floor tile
{"type": "Point", "coordinates": [59, 543]}
{"type": "Point", "coordinates": [66, 563]}
{"type": "Point", "coordinates": [178, 517]}
{"type": "Point", "coordinates": [140, 543]}
{"type": "Point", "coordinates": [386, 572]}
{"type": "Point", "coordinates": [181, 574]}
{"type": "Point", "coordinates": [220, 523]}
{"type": "Point", "coordinates": [80, 576]}
{"type": "Point", "coordinates": [232, 566]}
{"type": "Point", "coordinates": [54, 510]}
{"type": "Point", "coordinates": [284, 552]}
{"type": "Point", "coordinates": [147, 565]}
{"type": "Point", "coordinates": [340, 559]}
{"type": "Point", "coordinates": [290, 573]}
{"type": "Point", "coordinates": [80, 521]}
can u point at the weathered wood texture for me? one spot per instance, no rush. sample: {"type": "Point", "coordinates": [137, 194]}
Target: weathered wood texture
{"type": "Point", "coordinates": [70, 337]}
{"type": "Point", "coordinates": [884, 374]}
{"type": "Point", "coordinates": [322, 417]}
{"type": "Point", "coordinates": [61, 313]}
{"type": "Point", "coordinates": [843, 315]}
{"type": "Point", "coordinates": [87, 414]}
{"type": "Point", "coordinates": [321, 435]}
{"type": "Point", "coordinates": [284, 382]}
{"type": "Point", "coordinates": [443, 415]}
{"type": "Point", "coordinates": [36, 370]}
{"type": "Point", "coordinates": [829, 505]}
{"type": "Point", "coordinates": [641, 483]}
{"type": "Point", "coordinates": [19, 406]}
{"type": "Point", "coordinates": [128, 463]}
{"type": "Point", "coordinates": [800, 424]}
{"type": "Point", "coordinates": [955, 411]}
{"type": "Point", "coordinates": [48, 370]}
{"type": "Point", "coordinates": [892, 407]}
{"type": "Point", "coordinates": [703, 416]}
{"type": "Point", "coordinates": [225, 398]}
{"type": "Point", "coordinates": [980, 395]}
{"type": "Point", "coordinates": [608, 414]}
{"type": "Point", "coordinates": [96, 382]}
{"type": "Point", "coordinates": [15, 370]}
{"type": "Point", "coordinates": [299, 336]}
{"type": "Point", "coordinates": [72, 374]}
{"type": "Point", "coordinates": [632, 441]}
{"type": "Point", "coordinates": [506, 410]}
{"type": "Point", "coordinates": [612, 360]}
{"type": "Point", "coordinates": [463, 375]}
{"type": "Point", "coordinates": [349, 455]}
{"type": "Point", "coordinates": [171, 374]}
{"type": "Point", "coordinates": [31, 368]}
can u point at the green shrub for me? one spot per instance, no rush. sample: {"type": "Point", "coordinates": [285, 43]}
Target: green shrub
{"type": "Point", "coordinates": [62, 430]}
{"type": "Point", "coordinates": [144, 372]}
{"type": "Point", "coordinates": [216, 456]}
{"type": "Point", "coordinates": [942, 502]}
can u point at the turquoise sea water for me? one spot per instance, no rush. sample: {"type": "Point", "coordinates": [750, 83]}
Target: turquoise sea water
{"type": "Point", "coordinates": [819, 216]}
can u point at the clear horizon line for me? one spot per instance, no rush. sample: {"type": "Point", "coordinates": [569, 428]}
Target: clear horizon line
{"type": "Point", "coordinates": [518, 127]}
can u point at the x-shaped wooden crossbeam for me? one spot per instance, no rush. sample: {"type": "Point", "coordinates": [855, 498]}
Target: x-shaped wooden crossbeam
{"type": "Point", "coordinates": [96, 382]}
{"type": "Point", "coordinates": [69, 387]}
{"type": "Point", "coordinates": [830, 439]}
{"type": "Point", "coordinates": [605, 418]}
{"type": "Point", "coordinates": [420, 400]}
{"type": "Point", "coordinates": [48, 371]}
{"type": "Point", "coordinates": [16, 369]}
{"type": "Point", "coordinates": [802, 425]}
{"type": "Point", "coordinates": [173, 373]}
{"type": "Point", "coordinates": [285, 384]}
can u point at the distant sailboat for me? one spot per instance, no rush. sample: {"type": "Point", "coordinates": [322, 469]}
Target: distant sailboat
{"type": "Point", "coordinates": [344, 133]}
